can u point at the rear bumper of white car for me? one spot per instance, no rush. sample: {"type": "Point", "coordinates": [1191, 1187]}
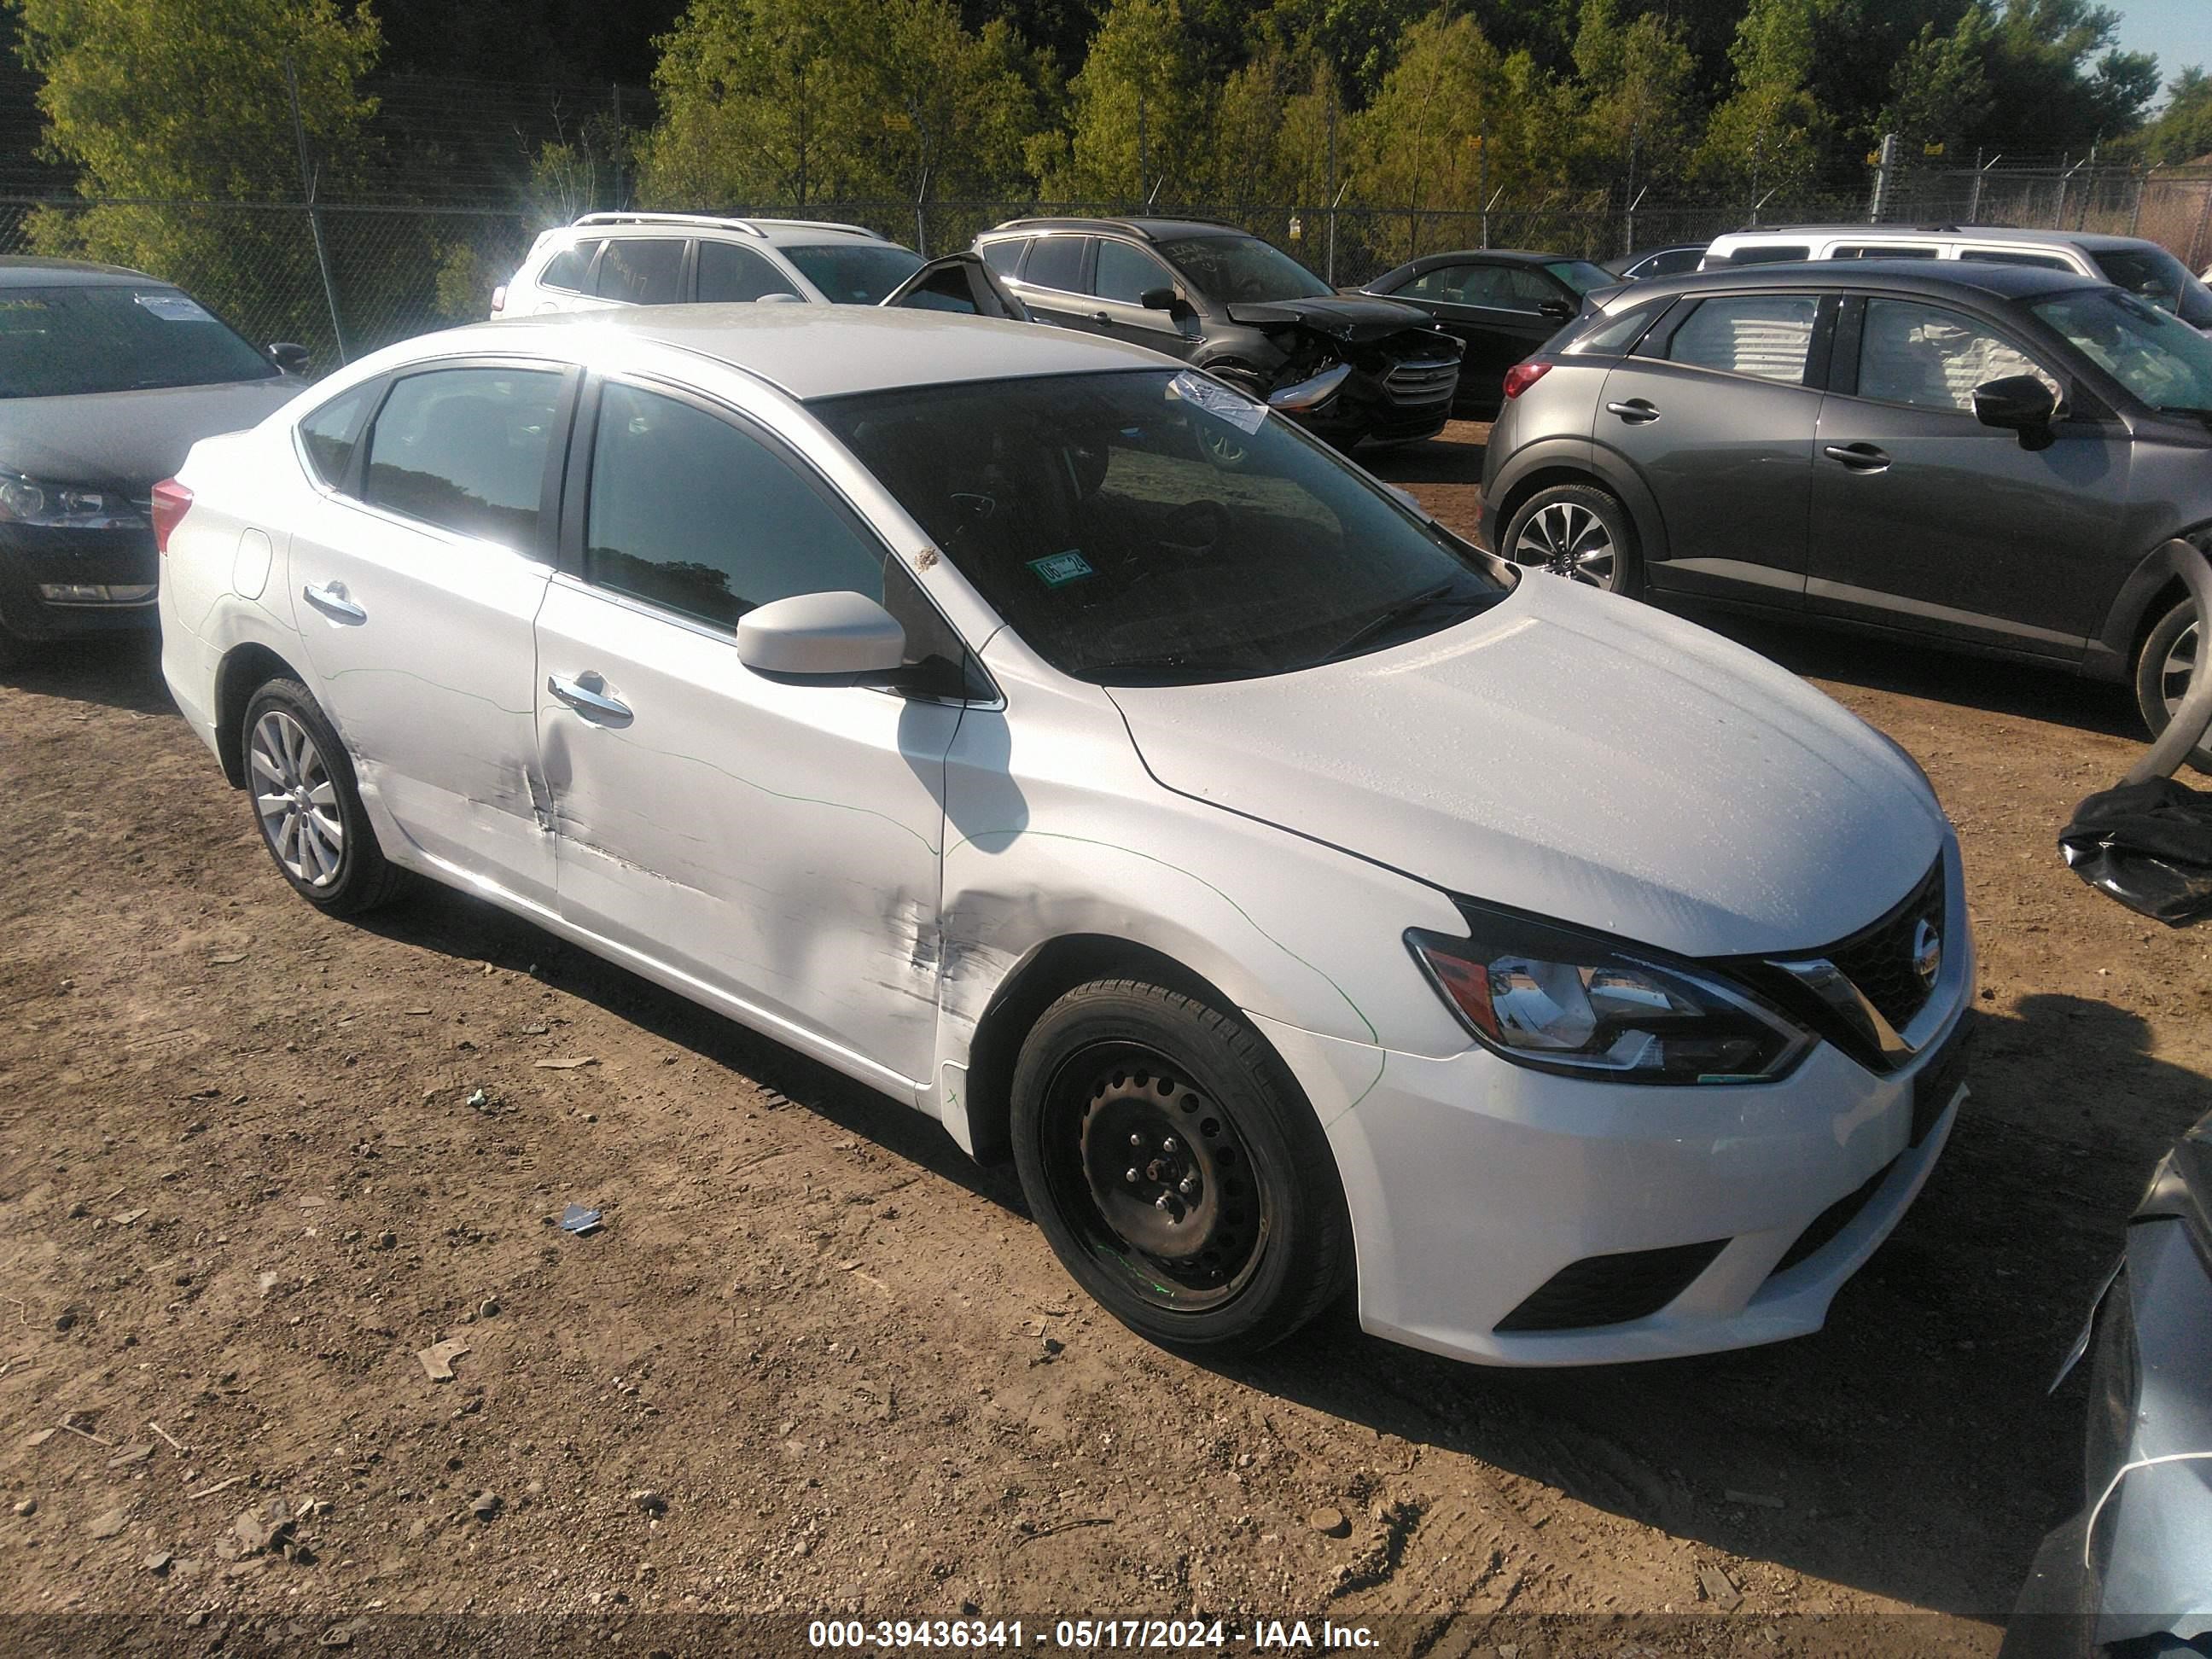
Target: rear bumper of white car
{"type": "Point", "coordinates": [1514, 1218]}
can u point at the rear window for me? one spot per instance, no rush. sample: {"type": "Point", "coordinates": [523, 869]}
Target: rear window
{"type": "Point", "coordinates": [1770, 253]}
{"type": "Point", "coordinates": [1056, 262]}
{"type": "Point", "coordinates": [1581, 275]}
{"type": "Point", "coordinates": [1613, 336]}
{"type": "Point", "coordinates": [1003, 256]}
{"type": "Point", "coordinates": [567, 269]}
{"type": "Point", "coordinates": [2005, 256]}
{"type": "Point", "coordinates": [66, 342]}
{"type": "Point", "coordinates": [332, 433]}
{"type": "Point", "coordinates": [643, 270]}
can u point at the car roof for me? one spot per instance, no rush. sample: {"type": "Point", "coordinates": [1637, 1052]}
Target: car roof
{"type": "Point", "coordinates": [1499, 256]}
{"type": "Point", "coordinates": [776, 233]}
{"type": "Point", "coordinates": [1928, 276]}
{"type": "Point", "coordinates": [2000, 233]}
{"type": "Point", "coordinates": [1149, 230]}
{"type": "Point", "coordinates": [827, 351]}
{"type": "Point", "coordinates": [23, 270]}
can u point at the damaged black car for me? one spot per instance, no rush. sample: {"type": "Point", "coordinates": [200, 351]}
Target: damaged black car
{"type": "Point", "coordinates": [1347, 366]}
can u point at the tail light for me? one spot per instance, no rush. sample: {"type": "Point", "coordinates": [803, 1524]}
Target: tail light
{"type": "Point", "coordinates": [499, 299]}
{"type": "Point", "coordinates": [171, 501]}
{"type": "Point", "coordinates": [1521, 376]}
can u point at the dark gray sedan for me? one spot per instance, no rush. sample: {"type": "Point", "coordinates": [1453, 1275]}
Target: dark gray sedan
{"type": "Point", "coordinates": [1500, 304]}
{"type": "Point", "coordinates": [107, 377]}
{"type": "Point", "coordinates": [1985, 458]}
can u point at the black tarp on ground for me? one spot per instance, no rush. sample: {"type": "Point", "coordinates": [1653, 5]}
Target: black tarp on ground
{"type": "Point", "coordinates": [2149, 845]}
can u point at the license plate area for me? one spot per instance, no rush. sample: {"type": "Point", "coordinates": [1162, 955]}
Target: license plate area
{"type": "Point", "coordinates": [1936, 1082]}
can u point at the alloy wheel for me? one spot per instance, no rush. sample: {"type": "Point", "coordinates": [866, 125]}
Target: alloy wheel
{"type": "Point", "coordinates": [296, 799]}
{"type": "Point", "coordinates": [1155, 1177]}
{"type": "Point", "coordinates": [1568, 539]}
{"type": "Point", "coordinates": [2174, 673]}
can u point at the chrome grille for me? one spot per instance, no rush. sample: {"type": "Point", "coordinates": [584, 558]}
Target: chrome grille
{"type": "Point", "coordinates": [1879, 961]}
{"type": "Point", "coordinates": [1422, 380]}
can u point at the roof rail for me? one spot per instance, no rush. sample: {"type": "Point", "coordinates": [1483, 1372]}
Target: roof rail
{"type": "Point", "coordinates": [747, 227]}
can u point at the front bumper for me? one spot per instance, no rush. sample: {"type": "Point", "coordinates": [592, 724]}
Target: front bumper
{"type": "Point", "coordinates": [33, 558]}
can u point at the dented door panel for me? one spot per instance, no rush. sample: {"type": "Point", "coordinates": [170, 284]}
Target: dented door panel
{"type": "Point", "coordinates": [776, 842]}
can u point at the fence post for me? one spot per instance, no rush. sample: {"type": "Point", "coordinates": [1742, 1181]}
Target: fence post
{"type": "Point", "coordinates": [1330, 185]}
{"type": "Point", "coordinates": [2134, 213]}
{"type": "Point", "coordinates": [1885, 178]}
{"type": "Point", "coordinates": [2197, 231]}
{"type": "Point", "coordinates": [615, 87]}
{"type": "Point", "coordinates": [314, 213]}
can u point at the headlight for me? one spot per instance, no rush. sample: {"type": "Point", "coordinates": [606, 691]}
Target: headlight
{"type": "Point", "coordinates": [1562, 1001]}
{"type": "Point", "coordinates": [55, 506]}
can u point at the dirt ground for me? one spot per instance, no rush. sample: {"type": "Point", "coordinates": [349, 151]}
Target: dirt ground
{"type": "Point", "coordinates": [253, 1159]}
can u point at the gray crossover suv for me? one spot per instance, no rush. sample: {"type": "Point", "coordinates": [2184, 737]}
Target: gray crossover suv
{"type": "Point", "coordinates": [1988, 458]}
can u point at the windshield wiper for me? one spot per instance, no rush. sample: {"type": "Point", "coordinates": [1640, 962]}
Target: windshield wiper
{"type": "Point", "coordinates": [1171, 665]}
{"type": "Point", "coordinates": [1444, 595]}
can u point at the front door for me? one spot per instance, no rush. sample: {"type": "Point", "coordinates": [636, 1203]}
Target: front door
{"type": "Point", "coordinates": [415, 585]}
{"type": "Point", "coordinates": [1715, 414]}
{"type": "Point", "coordinates": [775, 844]}
{"type": "Point", "coordinates": [1924, 519]}
{"type": "Point", "coordinates": [1121, 274]}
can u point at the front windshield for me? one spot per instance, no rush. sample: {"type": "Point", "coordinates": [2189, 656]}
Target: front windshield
{"type": "Point", "coordinates": [2153, 354]}
{"type": "Point", "coordinates": [66, 342]}
{"type": "Point", "coordinates": [1155, 527]}
{"type": "Point", "coordinates": [855, 273]}
{"type": "Point", "coordinates": [1581, 275]}
{"type": "Point", "coordinates": [2155, 275]}
{"type": "Point", "coordinates": [1243, 267]}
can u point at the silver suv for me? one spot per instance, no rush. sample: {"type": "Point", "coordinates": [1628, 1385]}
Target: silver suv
{"type": "Point", "coordinates": [670, 258]}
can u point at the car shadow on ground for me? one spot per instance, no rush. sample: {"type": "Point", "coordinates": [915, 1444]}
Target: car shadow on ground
{"type": "Point", "coordinates": [122, 671]}
{"type": "Point", "coordinates": [1453, 458]}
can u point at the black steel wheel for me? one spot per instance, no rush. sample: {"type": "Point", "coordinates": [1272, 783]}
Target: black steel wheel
{"type": "Point", "coordinates": [1175, 1170]}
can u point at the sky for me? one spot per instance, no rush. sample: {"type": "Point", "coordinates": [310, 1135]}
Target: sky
{"type": "Point", "coordinates": [2179, 31]}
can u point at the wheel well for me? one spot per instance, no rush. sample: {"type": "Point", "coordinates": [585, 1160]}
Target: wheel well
{"type": "Point", "coordinates": [1543, 478]}
{"type": "Point", "coordinates": [244, 671]}
{"type": "Point", "coordinates": [1054, 969]}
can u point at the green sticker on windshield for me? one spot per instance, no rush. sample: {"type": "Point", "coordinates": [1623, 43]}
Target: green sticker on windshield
{"type": "Point", "coordinates": [1058, 569]}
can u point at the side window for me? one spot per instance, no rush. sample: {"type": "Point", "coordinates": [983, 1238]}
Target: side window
{"type": "Point", "coordinates": [1614, 338]}
{"type": "Point", "coordinates": [645, 270]}
{"type": "Point", "coordinates": [1770, 254]}
{"type": "Point", "coordinates": [332, 433]}
{"type": "Point", "coordinates": [2005, 256]}
{"type": "Point", "coordinates": [1522, 289]}
{"type": "Point", "coordinates": [1931, 358]}
{"type": "Point", "coordinates": [1451, 284]}
{"type": "Point", "coordinates": [1125, 272]}
{"type": "Point", "coordinates": [1003, 256]}
{"type": "Point", "coordinates": [1883, 251]}
{"type": "Point", "coordinates": [692, 512]}
{"type": "Point", "coordinates": [1056, 262]}
{"type": "Point", "coordinates": [466, 448]}
{"type": "Point", "coordinates": [728, 273]}
{"type": "Point", "coordinates": [567, 269]}
{"type": "Point", "coordinates": [1768, 336]}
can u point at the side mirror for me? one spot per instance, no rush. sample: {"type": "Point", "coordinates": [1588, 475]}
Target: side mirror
{"type": "Point", "coordinates": [821, 635]}
{"type": "Point", "coordinates": [1161, 298]}
{"type": "Point", "coordinates": [289, 356]}
{"type": "Point", "coordinates": [2018, 403]}
{"type": "Point", "coordinates": [1559, 311]}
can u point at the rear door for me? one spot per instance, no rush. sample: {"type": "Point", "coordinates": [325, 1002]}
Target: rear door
{"type": "Point", "coordinates": [1054, 283]}
{"type": "Point", "coordinates": [726, 274]}
{"type": "Point", "coordinates": [1716, 411]}
{"type": "Point", "coordinates": [1925, 520]}
{"type": "Point", "coordinates": [641, 271]}
{"type": "Point", "coordinates": [417, 580]}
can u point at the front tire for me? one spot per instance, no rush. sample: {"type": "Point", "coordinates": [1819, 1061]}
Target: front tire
{"type": "Point", "coordinates": [1580, 531]}
{"type": "Point", "coordinates": [1175, 1170]}
{"type": "Point", "coordinates": [309, 811]}
{"type": "Point", "coordinates": [2171, 653]}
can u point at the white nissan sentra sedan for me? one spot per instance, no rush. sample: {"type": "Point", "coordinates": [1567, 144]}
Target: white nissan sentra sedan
{"type": "Point", "coordinates": [1064, 744]}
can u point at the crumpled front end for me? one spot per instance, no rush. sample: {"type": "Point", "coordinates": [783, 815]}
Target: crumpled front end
{"type": "Point", "coordinates": [1399, 371]}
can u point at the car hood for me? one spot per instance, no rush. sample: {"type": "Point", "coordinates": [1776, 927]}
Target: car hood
{"type": "Point", "coordinates": [1576, 755]}
{"type": "Point", "coordinates": [126, 440]}
{"type": "Point", "coordinates": [1348, 318]}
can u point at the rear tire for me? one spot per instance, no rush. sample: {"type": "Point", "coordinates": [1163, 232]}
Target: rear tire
{"type": "Point", "coordinates": [309, 811]}
{"type": "Point", "coordinates": [1175, 1170]}
{"type": "Point", "coordinates": [1580, 531]}
{"type": "Point", "coordinates": [2172, 652]}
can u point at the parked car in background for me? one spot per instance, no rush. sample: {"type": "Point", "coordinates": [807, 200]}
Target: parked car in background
{"type": "Point", "coordinates": [607, 259]}
{"type": "Point", "coordinates": [1985, 457]}
{"type": "Point", "coordinates": [2143, 268]}
{"type": "Point", "coordinates": [1657, 262]}
{"type": "Point", "coordinates": [1269, 873]}
{"type": "Point", "coordinates": [2130, 1575]}
{"type": "Point", "coordinates": [107, 376]}
{"type": "Point", "coordinates": [1346, 366]}
{"type": "Point", "coordinates": [1500, 304]}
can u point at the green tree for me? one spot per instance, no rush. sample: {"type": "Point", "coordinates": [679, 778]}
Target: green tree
{"type": "Point", "coordinates": [1141, 113]}
{"type": "Point", "coordinates": [2057, 80]}
{"type": "Point", "coordinates": [1635, 76]}
{"type": "Point", "coordinates": [1939, 93]}
{"type": "Point", "coordinates": [2183, 131]}
{"type": "Point", "coordinates": [1768, 133]}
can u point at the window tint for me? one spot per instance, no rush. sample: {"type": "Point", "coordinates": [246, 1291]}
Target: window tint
{"type": "Point", "coordinates": [1611, 338]}
{"type": "Point", "coordinates": [645, 270]}
{"type": "Point", "coordinates": [332, 433]}
{"type": "Point", "coordinates": [1124, 272]}
{"type": "Point", "coordinates": [1003, 256]}
{"type": "Point", "coordinates": [1672, 262]}
{"type": "Point", "coordinates": [1881, 250]}
{"type": "Point", "coordinates": [2004, 256]}
{"type": "Point", "coordinates": [855, 273]}
{"type": "Point", "coordinates": [732, 274]}
{"type": "Point", "coordinates": [1451, 284]}
{"type": "Point", "coordinates": [1236, 268]}
{"type": "Point", "coordinates": [1520, 289]}
{"type": "Point", "coordinates": [567, 269]}
{"type": "Point", "coordinates": [1769, 336]}
{"type": "Point", "coordinates": [1581, 275]}
{"type": "Point", "coordinates": [1770, 254]}
{"type": "Point", "coordinates": [695, 513]}
{"type": "Point", "coordinates": [1056, 262]}
{"type": "Point", "coordinates": [466, 448]}
{"type": "Point", "coordinates": [1932, 358]}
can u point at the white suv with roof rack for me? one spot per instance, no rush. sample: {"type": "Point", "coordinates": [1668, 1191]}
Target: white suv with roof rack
{"type": "Point", "coordinates": [671, 259]}
{"type": "Point", "coordinates": [2140, 266]}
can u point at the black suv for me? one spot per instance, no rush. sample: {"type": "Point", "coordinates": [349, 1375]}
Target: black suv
{"type": "Point", "coordinates": [1347, 366]}
{"type": "Point", "coordinates": [1986, 456]}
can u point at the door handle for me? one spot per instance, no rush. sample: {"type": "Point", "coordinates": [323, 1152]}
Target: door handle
{"type": "Point", "coordinates": [1103, 317]}
{"type": "Point", "coordinates": [1637, 412]}
{"type": "Point", "coordinates": [1859, 458]}
{"type": "Point", "coordinates": [334, 602]}
{"type": "Point", "coordinates": [591, 704]}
